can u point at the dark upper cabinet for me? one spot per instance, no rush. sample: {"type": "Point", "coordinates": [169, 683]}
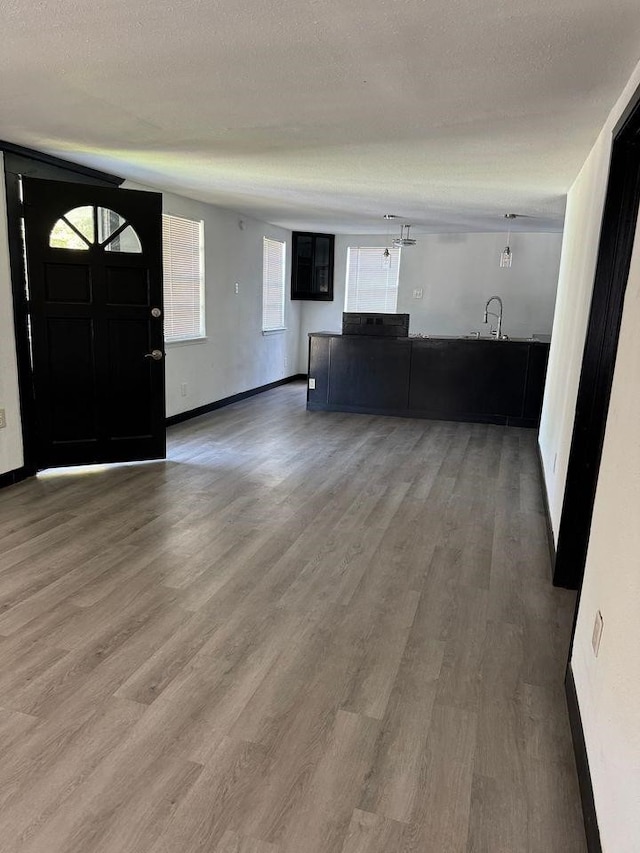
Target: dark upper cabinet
{"type": "Point", "coordinates": [312, 266]}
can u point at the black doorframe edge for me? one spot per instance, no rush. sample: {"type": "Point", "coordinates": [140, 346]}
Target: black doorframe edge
{"type": "Point", "coordinates": [547, 512]}
{"type": "Point", "coordinates": [46, 166]}
{"type": "Point", "coordinates": [582, 766]}
{"type": "Point", "coordinates": [227, 401]}
{"type": "Point", "coordinates": [60, 163]}
{"type": "Point", "coordinates": [615, 247]}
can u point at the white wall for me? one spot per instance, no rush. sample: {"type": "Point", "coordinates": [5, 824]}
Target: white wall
{"type": "Point", "coordinates": [608, 686]}
{"type": "Point", "coordinates": [236, 356]}
{"type": "Point", "coordinates": [577, 269]}
{"type": "Point", "coordinates": [457, 274]}
{"type": "Point", "coordinates": [11, 437]}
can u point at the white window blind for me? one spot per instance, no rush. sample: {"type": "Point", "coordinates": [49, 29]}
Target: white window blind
{"type": "Point", "coordinates": [372, 280]}
{"type": "Point", "coordinates": [272, 285]}
{"type": "Point", "coordinates": [183, 262]}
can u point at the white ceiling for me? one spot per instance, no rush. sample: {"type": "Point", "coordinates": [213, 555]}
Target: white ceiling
{"type": "Point", "coordinates": [325, 114]}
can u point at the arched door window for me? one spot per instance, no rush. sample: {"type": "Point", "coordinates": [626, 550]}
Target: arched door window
{"type": "Point", "coordinates": [88, 226]}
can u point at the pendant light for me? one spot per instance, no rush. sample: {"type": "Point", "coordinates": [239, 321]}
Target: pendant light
{"type": "Point", "coordinates": [404, 239]}
{"type": "Point", "coordinates": [386, 255]}
{"type": "Point", "coordinates": [506, 255]}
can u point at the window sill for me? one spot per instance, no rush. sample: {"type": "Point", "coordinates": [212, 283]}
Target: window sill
{"type": "Point", "coordinates": [274, 331]}
{"type": "Point", "coordinates": [184, 342]}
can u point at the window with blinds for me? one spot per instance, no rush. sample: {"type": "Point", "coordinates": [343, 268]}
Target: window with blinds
{"type": "Point", "coordinates": [372, 279]}
{"type": "Point", "coordinates": [183, 263]}
{"type": "Point", "coordinates": [272, 285]}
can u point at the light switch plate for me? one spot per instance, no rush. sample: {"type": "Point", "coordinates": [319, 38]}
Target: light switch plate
{"type": "Point", "coordinates": [312, 384]}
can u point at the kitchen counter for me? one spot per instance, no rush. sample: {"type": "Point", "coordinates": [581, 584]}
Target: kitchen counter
{"type": "Point", "coordinates": [465, 379]}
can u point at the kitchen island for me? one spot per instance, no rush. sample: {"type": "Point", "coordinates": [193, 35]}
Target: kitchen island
{"type": "Point", "coordinates": [461, 379]}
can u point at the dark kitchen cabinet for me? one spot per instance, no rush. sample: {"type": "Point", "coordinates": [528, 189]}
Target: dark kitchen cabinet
{"type": "Point", "coordinates": [372, 373]}
{"type": "Point", "coordinates": [312, 266]}
{"type": "Point", "coordinates": [454, 379]}
{"type": "Point", "coordinates": [496, 382]}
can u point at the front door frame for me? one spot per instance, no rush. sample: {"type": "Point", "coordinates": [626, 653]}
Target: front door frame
{"type": "Point", "coordinates": [25, 161]}
{"type": "Point", "coordinates": [96, 325]}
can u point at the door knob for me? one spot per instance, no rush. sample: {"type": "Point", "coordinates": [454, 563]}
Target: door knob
{"type": "Point", "coordinates": [155, 354]}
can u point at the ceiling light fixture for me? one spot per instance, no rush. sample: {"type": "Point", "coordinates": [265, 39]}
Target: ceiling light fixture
{"type": "Point", "coordinates": [404, 239]}
{"type": "Point", "coordinates": [506, 255]}
{"type": "Point", "coordinates": [386, 255]}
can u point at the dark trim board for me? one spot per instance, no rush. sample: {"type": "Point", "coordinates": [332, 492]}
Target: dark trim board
{"type": "Point", "coordinates": [582, 765]}
{"type": "Point", "coordinates": [547, 512]}
{"type": "Point", "coordinates": [30, 154]}
{"type": "Point", "coordinates": [227, 401]}
{"type": "Point", "coordinates": [10, 478]}
{"type": "Point", "coordinates": [628, 119]}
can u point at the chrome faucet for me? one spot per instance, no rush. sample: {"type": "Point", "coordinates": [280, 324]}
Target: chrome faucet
{"type": "Point", "coordinates": [498, 331]}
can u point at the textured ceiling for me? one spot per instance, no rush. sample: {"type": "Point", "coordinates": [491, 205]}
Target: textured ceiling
{"type": "Point", "coordinates": [325, 114]}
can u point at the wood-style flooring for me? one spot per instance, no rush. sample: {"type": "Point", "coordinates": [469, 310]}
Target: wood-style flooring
{"type": "Point", "coordinates": [303, 633]}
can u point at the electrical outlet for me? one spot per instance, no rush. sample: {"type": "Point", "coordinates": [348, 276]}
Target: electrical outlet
{"type": "Point", "coordinates": [598, 625]}
{"type": "Point", "coordinates": [312, 384]}
{"type": "Point", "coordinates": [3, 418]}
{"type": "Point", "coordinates": [286, 361]}
{"type": "Point", "coordinates": [417, 293]}
{"type": "Point", "coordinates": [183, 389]}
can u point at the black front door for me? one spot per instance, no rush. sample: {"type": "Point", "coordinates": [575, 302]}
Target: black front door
{"type": "Point", "coordinates": [94, 281]}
